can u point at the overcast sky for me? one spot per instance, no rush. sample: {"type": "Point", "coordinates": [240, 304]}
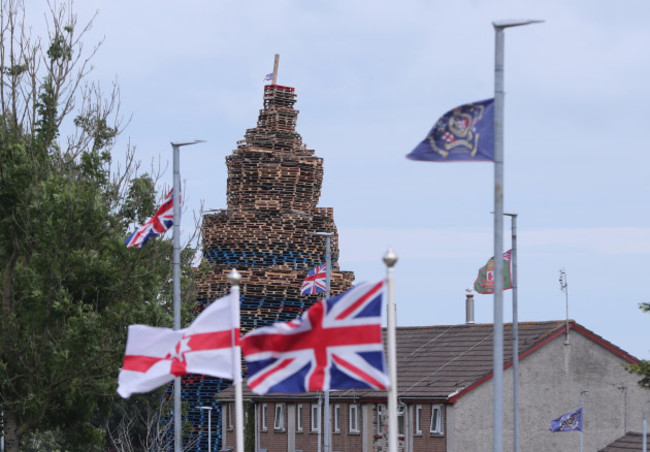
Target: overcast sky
{"type": "Point", "coordinates": [372, 77]}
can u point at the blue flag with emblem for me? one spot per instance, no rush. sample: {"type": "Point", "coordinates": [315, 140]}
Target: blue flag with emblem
{"type": "Point", "coordinates": [465, 133]}
{"type": "Point", "coordinates": [569, 422]}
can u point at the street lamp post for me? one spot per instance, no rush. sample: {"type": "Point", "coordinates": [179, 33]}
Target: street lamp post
{"type": "Point", "coordinates": [326, 392]}
{"type": "Point", "coordinates": [176, 264]}
{"type": "Point", "coordinates": [209, 410]}
{"type": "Point", "coordinates": [497, 355]}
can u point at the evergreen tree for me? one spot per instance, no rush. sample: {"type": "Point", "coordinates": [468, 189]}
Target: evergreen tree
{"type": "Point", "coordinates": [69, 286]}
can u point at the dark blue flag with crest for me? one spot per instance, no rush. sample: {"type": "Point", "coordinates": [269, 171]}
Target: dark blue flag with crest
{"type": "Point", "coordinates": [465, 133]}
{"type": "Point", "coordinates": [569, 422]}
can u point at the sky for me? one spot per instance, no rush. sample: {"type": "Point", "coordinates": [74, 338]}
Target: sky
{"type": "Point", "coordinates": [372, 77]}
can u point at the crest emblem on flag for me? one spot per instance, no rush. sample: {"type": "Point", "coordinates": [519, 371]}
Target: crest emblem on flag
{"type": "Point", "coordinates": [569, 422]}
{"type": "Point", "coordinates": [316, 281]}
{"type": "Point", "coordinates": [336, 344]}
{"type": "Point", "coordinates": [464, 133]}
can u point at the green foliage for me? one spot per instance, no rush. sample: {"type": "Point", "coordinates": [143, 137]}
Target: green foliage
{"type": "Point", "coordinates": [70, 287]}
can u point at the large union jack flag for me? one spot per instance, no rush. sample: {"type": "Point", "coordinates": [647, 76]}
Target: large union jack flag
{"type": "Point", "coordinates": [156, 225]}
{"type": "Point", "coordinates": [315, 281]}
{"type": "Point", "coordinates": [336, 344]}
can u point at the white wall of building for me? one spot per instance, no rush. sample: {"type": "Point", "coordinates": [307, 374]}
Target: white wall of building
{"type": "Point", "coordinates": [551, 380]}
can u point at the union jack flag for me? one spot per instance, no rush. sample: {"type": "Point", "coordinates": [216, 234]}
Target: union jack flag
{"type": "Point", "coordinates": [156, 225]}
{"type": "Point", "coordinates": [336, 344]}
{"type": "Point", "coordinates": [316, 281]}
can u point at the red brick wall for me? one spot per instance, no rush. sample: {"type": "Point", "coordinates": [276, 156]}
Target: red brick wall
{"type": "Point", "coordinates": [345, 441]}
{"type": "Point", "coordinates": [426, 441]}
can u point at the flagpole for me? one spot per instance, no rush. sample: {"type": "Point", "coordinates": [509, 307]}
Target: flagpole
{"type": "Point", "coordinates": [515, 332]}
{"type": "Point", "coordinates": [390, 259]}
{"type": "Point", "coordinates": [276, 65]}
{"type": "Point", "coordinates": [645, 427]}
{"type": "Point", "coordinates": [176, 264]}
{"type": "Point", "coordinates": [326, 392]}
{"type": "Point", "coordinates": [564, 287]}
{"type": "Point", "coordinates": [234, 278]}
{"type": "Point", "coordinates": [497, 356]}
{"type": "Point", "coordinates": [582, 416]}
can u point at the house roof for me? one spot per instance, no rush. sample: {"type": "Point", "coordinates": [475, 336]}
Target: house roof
{"type": "Point", "coordinates": [445, 362]}
{"type": "Point", "coordinates": [630, 442]}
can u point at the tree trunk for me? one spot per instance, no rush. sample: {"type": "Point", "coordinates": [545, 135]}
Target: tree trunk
{"type": "Point", "coordinates": [10, 432]}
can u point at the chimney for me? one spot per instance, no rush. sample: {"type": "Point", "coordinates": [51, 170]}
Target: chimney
{"type": "Point", "coordinates": [469, 308]}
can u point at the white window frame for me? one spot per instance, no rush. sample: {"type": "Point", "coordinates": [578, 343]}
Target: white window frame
{"type": "Point", "coordinates": [401, 420]}
{"type": "Point", "coordinates": [299, 417]}
{"type": "Point", "coordinates": [380, 419]}
{"type": "Point", "coordinates": [418, 420]}
{"type": "Point", "coordinates": [337, 418]}
{"type": "Point", "coordinates": [437, 428]}
{"type": "Point", "coordinates": [278, 419]}
{"type": "Point", "coordinates": [315, 418]}
{"type": "Point", "coordinates": [263, 414]}
{"type": "Point", "coordinates": [230, 416]}
{"type": "Point", "coordinates": [354, 418]}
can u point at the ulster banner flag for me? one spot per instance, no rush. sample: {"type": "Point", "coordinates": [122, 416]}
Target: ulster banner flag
{"type": "Point", "coordinates": [155, 356]}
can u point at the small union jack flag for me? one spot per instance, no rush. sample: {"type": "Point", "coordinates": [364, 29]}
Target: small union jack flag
{"type": "Point", "coordinates": [156, 225]}
{"type": "Point", "coordinates": [336, 344]}
{"type": "Point", "coordinates": [316, 281]}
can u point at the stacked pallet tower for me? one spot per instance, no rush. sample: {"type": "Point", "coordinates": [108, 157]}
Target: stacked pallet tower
{"type": "Point", "coordinates": [266, 233]}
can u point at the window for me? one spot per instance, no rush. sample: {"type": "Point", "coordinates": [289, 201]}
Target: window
{"type": "Point", "coordinates": [400, 420]}
{"type": "Point", "coordinates": [230, 416]}
{"type": "Point", "coordinates": [263, 417]}
{"type": "Point", "coordinates": [354, 418]}
{"type": "Point", "coordinates": [381, 410]}
{"type": "Point", "coordinates": [418, 419]}
{"type": "Point", "coordinates": [299, 417]}
{"type": "Point", "coordinates": [337, 418]}
{"type": "Point", "coordinates": [436, 420]}
{"type": "Point", "coordinates": [315, 418]}
{"type": "Point", "coordinates": [278, 423]}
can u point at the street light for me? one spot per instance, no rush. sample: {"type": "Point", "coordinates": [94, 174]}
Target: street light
{"type": "Point", "coordinates": [176, 266]}
{"type": "Point", "coordinates": [209, 408]}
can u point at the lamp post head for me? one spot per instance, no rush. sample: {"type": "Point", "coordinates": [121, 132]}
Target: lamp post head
{"type": "Point", "coordinates": [209, 408]}
{"type": "Point", "coordinates": [324, 234]}
{"type": "Point", "coordinates": [501, 24]}
{"type": "Point", "coordinates": [186, 143]}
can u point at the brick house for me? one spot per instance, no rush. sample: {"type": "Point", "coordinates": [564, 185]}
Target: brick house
{"type": "Point", "coordinates": [445, 395]}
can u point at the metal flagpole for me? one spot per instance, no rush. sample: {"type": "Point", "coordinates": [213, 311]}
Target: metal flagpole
{"type": "Point", "coordinates": [276, 65]}
{"type": "Point", "coordinates": [497, 356]}
{"type": "Point", "coordinates": [234, 278]}
{"type": "Point", "coordinates": [645, 427]}
{"type": "Point", "coordinates": [390, 258]}
{"type": "Point", "coordinates": [582, 417]}
{"type": "Point", "coordinates": [326, 392]}
{"type": "Point", "coordinates": [564, 287]}
{"type": "Point", "coordinates": [176, 264]}
{"type": "Point", "coordinates": [515, 333]}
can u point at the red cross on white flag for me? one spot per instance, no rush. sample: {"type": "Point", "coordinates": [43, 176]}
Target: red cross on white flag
{"type": "Point", "coordinates": [154, 356]}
